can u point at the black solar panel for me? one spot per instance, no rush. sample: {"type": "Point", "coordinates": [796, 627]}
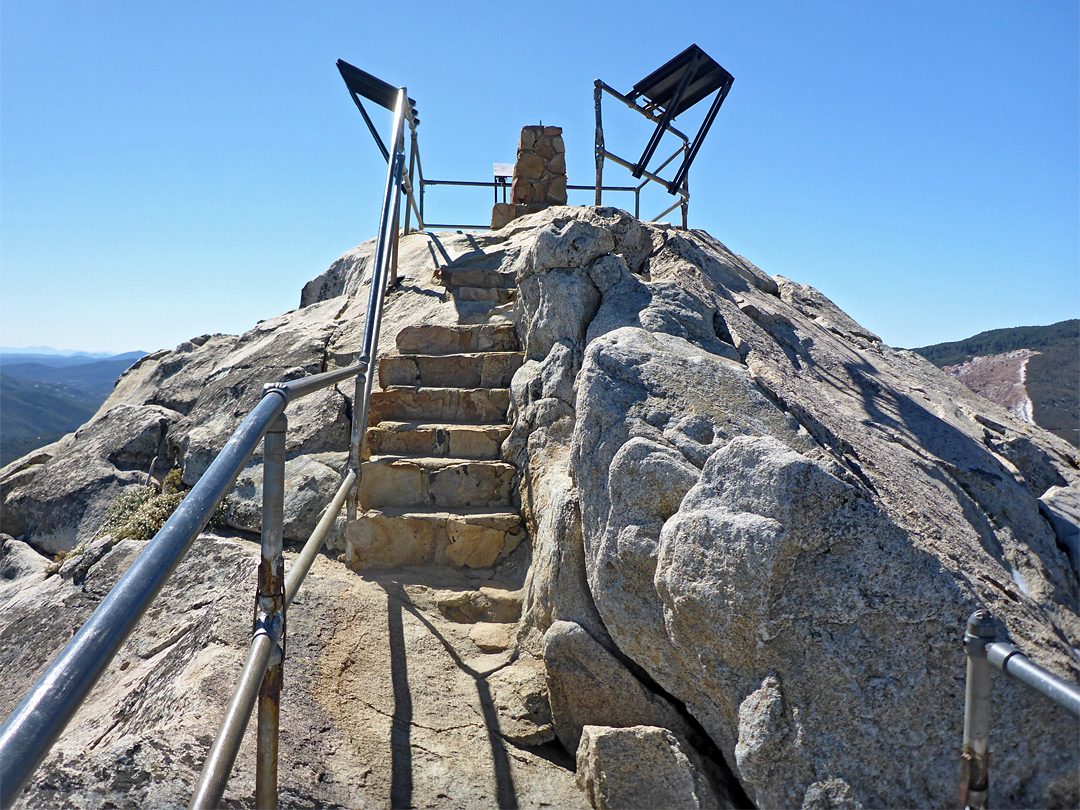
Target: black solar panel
{"type": "Point", "coordinates": [371, 88]}
{"type": "Point", "coordinates": [661, 86]}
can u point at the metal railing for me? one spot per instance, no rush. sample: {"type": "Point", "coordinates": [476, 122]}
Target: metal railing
{"type": "Point", "coordinates": [37, 722]}
{"type": "Point", "coordinates": [982, 653]}
{"type": "Point", "coordinates": [680, 187]}
{"type": "Point", "coordinates": [498, 184]}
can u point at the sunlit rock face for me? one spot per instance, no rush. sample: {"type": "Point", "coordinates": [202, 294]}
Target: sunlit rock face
{"type": "Point", "coordinates": [784, 522]}
{"type": "Point", "coordinates": [756, 533]}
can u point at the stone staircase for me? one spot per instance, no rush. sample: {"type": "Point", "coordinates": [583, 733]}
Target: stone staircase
{"type": "Point", "coordinates": [433, 489]}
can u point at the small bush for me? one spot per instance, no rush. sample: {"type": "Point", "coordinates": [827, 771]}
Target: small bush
{"type": "Point", "coordinates": [140, 512]}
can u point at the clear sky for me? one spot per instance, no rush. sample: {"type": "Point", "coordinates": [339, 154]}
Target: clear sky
{"type": "Point", "coordinates": [172, 169]}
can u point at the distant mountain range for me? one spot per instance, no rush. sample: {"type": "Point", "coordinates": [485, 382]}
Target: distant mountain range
{"type": "Point", "coordinates": [45, 394]}
{"type": "Point", "coordinates": [1033, 371]}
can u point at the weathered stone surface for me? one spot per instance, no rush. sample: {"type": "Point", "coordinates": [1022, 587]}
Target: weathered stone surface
{"type": "Point", "coordinates": [445, 482]}
{"type": "Point", "coordinates": [349, 737]}
{"type": "Point", "coordinates": [395, 537]}
{"type": "Point", "coordinates": [422, 439]}
{"type": "Point", "coordinates": [639, 767]}
{"type": "Point", "coordinates": [477, 277]}
{"type": "Point", "coordinates": [485, 604]}
{"type": "Point", "coordinates": [310, 483]}
{"type": "Point", "coordinates": [482, 369]}
{"type": "Point", "coordinates": [495, 295]}
{"type": "Point", "coordinates": [66, 500]}
{"type": "Point", "coordinates": [19, 566]}
{"type": "Point", "coordinates": [406, 404]}
{"type": "Point", "coordinates": [762, 510]}
{"type": "Point", "coordinates": [501, 214]}
{"type": "Point", "coordinates": [587, 685]}
{"type": "Point", "coordinates": [519, 692]}
{"type": "Point", "coordinates": [491, 637]}
{"type": "Point", "coordinates": [685, 353]}
{"type": "Point", "coordinates": [1061, 506]}
{"type": "Point", "coordinates": [436, 339]}
{"type": "Point", "coordinates": [556, 189]}
{"type": "Point", "coordinates": [529, 166]}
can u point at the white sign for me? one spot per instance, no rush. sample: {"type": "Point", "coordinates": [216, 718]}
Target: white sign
{"type": "Point", "coordinates": [504, 169]}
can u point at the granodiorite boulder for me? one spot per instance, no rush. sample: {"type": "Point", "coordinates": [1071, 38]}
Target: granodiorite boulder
{"type": "Point", "coordinates": [639, 767]}
{"type": "Point", "coordinates": [745, 512]}
{"type": "Point", "coordinates": [784, 522]}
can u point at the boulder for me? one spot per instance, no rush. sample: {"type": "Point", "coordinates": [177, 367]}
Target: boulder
{"type": "Point", "coordinates": [66, 500]}
{"type": "Point", "coordinates": [640, 767]}
{"type": "Point", "coordinates": [587, 685]}
{"type": "Point", "coordinates": [310, 483]}
{"type": "Point", "coordinates": [520, 695]}
{"type": "Point", "coordinates": [757, 478]}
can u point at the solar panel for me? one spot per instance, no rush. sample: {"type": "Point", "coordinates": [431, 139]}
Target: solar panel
{"type": "Point", "coordinates": [366, 85]}
{"type": "Point", "coordinates": [661, 86]}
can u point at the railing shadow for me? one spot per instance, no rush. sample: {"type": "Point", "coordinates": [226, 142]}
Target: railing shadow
{"type": "Point", "coordinates": [401, 752]}
{"type": "Point", "coordinates": [401, 775]}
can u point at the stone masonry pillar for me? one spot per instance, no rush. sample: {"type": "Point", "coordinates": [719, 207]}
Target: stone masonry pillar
{"type": "Point", "coordinates": [539, 175]}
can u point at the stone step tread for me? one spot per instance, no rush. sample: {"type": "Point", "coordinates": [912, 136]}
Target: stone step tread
{"type": "Point", "coordinates": [395, 536]}
{"type": "Point", "coordinates": [477, 277]}
{"type": "Point", "coordinates": [508, 353]}
{"type": "Point", "coordinates": [494, 295]}
{"type": "Point", "coordinates": [438, 339]}
{"type": "Point", "coordinates": [469, 440]}
{"type": "Point", "coordinates": [433, 481]}
{"type": "Point", "coordinates": [438, 388]}
{"type": "Point", "coordinates": [437, 462]}
{"type": "Point", "coordinates": [403, 425]}
{"type": "Point", "coordinates": [465, 369]}
{"type": "Point", "coordinates": [430, 404]}
{"type": "Point", "coordinates": [475, 514]}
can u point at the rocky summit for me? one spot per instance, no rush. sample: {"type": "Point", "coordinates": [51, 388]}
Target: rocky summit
{"type": "Point", "coordinates": [642, 526]}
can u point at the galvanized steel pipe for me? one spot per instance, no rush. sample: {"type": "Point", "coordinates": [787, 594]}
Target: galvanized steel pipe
{"type": "Point", "coordinates": [38, 720]}
{"type": "Point", "coordinates": [302, 564]}
{"type": "Point", "coordinates": [222, 757]}
{"type": "Point", "coordinates": [294, 389]}
{"type": "Point", "coordinates": [975, 759]}
{"type": "Point", "coordinates": [1017, 665]}
{"type": "Point", "coordinates": [270, 609]}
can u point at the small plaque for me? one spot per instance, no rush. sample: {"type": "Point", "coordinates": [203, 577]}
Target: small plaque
{"type": "Point", "coordinates": [504, 169]}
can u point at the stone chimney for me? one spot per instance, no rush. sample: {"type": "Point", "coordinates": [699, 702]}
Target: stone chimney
{"type": "Point", "coordinates": [539, 175]}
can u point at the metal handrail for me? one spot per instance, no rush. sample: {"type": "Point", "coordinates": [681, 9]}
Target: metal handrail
{"type": "Point", "coordinates": [983, 651]}
{"type": "Point", "coordinates": [679, 186]}
{"type": "Point", "coordinates": [424, 183]}
{"type": "Point", "coordinates": [40, 718]}
{"type": "Point", "coordinates": [276, 591]}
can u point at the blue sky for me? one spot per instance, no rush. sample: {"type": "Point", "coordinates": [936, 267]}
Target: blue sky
{"type": "Point", "coordinates": [173, 169]}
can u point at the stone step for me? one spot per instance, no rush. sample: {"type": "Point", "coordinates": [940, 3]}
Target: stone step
{"type": "Point", "coordinates": [431, 439]}
{"type": "Point", "coordinates": [475, 370]}
{"type": "Point", "coordinates": [430, 481]}
{"type": "Point", "coordinates": [477, 277]}
{"type": "Point", "coordinates": [395, 537]}
{"type": "Point", "coordinates": [414, 404]}
{"type": "Point", "coordinates": [481, 337]}
{"type": "Point", "coordinates": [493, 295]}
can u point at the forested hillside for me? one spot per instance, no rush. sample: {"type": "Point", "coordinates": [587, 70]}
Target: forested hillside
{"type": "Point", "coordinates": [1052, 375]}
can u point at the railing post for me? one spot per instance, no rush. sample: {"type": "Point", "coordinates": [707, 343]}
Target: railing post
{"type": "Point", "coordinates": [599, 144]}
{"type": "Point", "coordinates": [270, 611]}
{"type": "Point", "coordinates": [686, 198]}
{"type": "Point", "coordinates": [974, 767]}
